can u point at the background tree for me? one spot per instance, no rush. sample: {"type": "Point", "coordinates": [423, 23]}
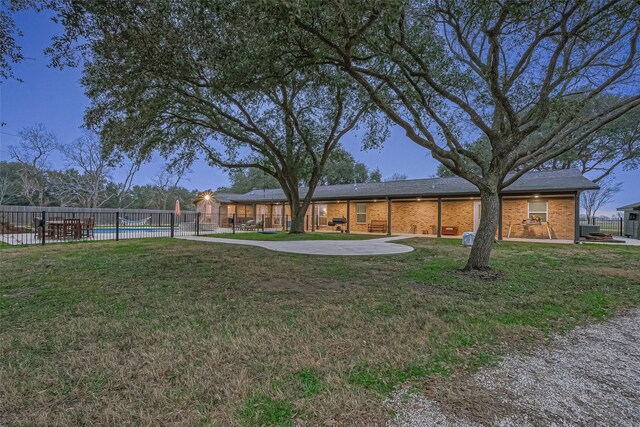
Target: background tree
{"type": "Point", "coordinates": [342, 168]}
{"type": "Point", "coordinates": [165, 185]}
{"type": "Point", "coordinates": [592, 201]}
{"type": "Point", "coordinates": [450, 72]}
{"type": "Point", "coordinates": [375, 175]}
{"type": "Point", "coordinates": [85, 155]}
{"type": "Point", "coordinates": [10, 191]}
{"type": "Point", "coordinates": [397, 177]}
{"type": "Point", "coordinates": [244, 180]}
{"type": "Point", "coordinates": [32, 152]}
{"type": "Point", "coordinates": [187, 78]}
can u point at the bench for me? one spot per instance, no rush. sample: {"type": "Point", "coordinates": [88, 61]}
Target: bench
{"type": "Point", "coordinates": [377, 225]}
{"type": "Point", "coordinates": [448, 230]}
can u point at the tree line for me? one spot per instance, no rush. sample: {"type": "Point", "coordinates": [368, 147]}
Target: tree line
{"type": "Point", "coordinates": [86, 180]}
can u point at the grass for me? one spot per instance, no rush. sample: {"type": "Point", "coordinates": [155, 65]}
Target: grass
{"type": "Point", "coordinates": [282, 236]}
{"type": "Point", "coordinates": [163, 331]}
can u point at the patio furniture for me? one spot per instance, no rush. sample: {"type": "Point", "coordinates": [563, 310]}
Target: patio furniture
{"type": "Point", "coordinates": [72, 228]}
{"type": "Point", "coordinates": [250, 225]}
{"type": "Point", "coordinates": [86, 229]}
{"type": "Point", "coordinates": [55, 227]}
{"type": "Point", "coordinates": [449, 230]}
{"type": "Point", "coordinates": [337, 222]}
{"type": "Point", "coordinates": [11, 228]}
{"type": "Point", "coordinates": [527, 223]}
{"type": "Point", "coordinates": [378, 225]}
{"type": "Point", "coordinates": [127, 221]}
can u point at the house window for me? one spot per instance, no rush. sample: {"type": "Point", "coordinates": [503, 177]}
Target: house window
{"type": "Point", "coordinates": [321, 214]}
{"type": "Point", "coordinates": [361, 213]}
{"type": "Point", "coordinates": [538, 209]}
{"type": "Point", "coordinates": [277, 214]}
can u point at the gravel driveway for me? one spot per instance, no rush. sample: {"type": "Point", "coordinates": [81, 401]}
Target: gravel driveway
{"type": "Point", "coordinates": [588, 377]}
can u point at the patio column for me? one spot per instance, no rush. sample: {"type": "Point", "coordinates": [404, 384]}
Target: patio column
{"type": "Point", "coordinates": [255, 212]}
{"type": "Point", "coordinates": [576, 220]}
{"type": "Point", "coordinates": [439, 217]}
{"type": "Point", "coordinates": [388, 216]}
{"type": "Point", "coordinates": [500, 218]}
{"type": "Point", "coordinates": [348, 216]}
{"type": "Point", "coordinates": [284, 217]}
{"type": "Point", "coordinates": [313, 216]}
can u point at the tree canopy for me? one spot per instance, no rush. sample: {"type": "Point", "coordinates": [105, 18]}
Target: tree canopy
{"type": "Point", "coordinates": [212, 80]}
{"type": "Point", "coordinates": [520, 74]}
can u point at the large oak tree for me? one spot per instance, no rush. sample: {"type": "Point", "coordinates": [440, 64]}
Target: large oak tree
{"type": "Point", "coordinates": [452, 72]}
{"type": "Point", "coordinates": [212, 79]}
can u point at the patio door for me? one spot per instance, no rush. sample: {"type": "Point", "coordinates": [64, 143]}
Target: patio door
{"type": "Point", "coordinates": [477, 208]}
{"type": "Point", "coordinates": [321, 214]}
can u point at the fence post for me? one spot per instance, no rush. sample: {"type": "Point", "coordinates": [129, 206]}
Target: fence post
{"type": "Point", "coordinates": [173, 221]}
{"type": "Point", "coordinates": [43, 224]}
{"type": "Point", "coordinates": [263, 223]}
{"type": "Point", "coordinates": [620, 223]}
{"type": "Point", "coordinates": [233, 224]}
{"type": "Point", "coordinates": [117, 226]}
{"type": "Point", "coordinates": [198, 224]}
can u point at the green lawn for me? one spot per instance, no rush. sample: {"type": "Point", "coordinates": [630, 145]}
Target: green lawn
{"type": "Point", "coordinates": [285, 236]}
{"type": "Point", "coordinates": [163, 331]}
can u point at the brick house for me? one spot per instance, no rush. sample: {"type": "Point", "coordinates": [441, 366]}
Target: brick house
{"type": "Point", "coordinates": [542, 205]}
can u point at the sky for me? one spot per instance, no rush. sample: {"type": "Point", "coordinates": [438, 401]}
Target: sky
{"type": "Point", "coordinates": [55, 98]}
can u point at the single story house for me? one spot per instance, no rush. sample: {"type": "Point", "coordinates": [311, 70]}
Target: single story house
{"type": "Point", "coordinates": [541, 205]}
{"type": "Point", "coordinates": [631, 220]}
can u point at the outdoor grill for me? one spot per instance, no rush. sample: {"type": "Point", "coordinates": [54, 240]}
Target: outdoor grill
{"type": "Point", "coordinates": [338, 222]}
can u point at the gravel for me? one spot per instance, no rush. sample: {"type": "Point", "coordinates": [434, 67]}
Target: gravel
{"type": "Point", "coordinates": [590, 376]}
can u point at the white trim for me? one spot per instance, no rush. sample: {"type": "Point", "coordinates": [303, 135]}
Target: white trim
{"type": "Point", "coordinates": [546, 211]}
{"type": "Point", "coordinates": [476, 214]}
{"type": "Point", "coordinates": [365, 213]}
{"type": "Point", "coordinates": [325, 216]}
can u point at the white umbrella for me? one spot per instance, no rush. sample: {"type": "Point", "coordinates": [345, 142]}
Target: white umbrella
{"type": "Point", "coordinates": [177, 207]}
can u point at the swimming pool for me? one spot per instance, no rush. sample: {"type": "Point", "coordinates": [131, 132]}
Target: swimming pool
{"type": "Point", "coordinates": [106, 230]}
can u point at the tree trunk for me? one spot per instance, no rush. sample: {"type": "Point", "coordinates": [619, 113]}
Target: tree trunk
{"type": "Point", "coordinates": [298, 211]}
{"type": "Point", "coordinates": [297, 219]}
{"type": "Point", "coordinates": [486, 234]}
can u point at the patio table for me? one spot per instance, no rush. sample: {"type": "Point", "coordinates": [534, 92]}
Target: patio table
{"type": "Point", "coordinates": [58, 228]}
{"type": "Point", "coordinates": [526, 224]}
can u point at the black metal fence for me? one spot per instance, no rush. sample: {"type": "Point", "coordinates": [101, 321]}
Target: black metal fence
{"type": "Point", "coordinates": [613, 226]}
{"type": "Point", "coordinates": [32, 226]}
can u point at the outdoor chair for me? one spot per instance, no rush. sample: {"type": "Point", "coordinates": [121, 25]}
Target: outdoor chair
{"type": "Point", "coordinates": [37, 229]}
{"type": "Point", "coordinates": [72, 228]}
{"type": "Point", "coordinates": [87, 227]}
{"type": "Point", "coordinates": [249, 225]}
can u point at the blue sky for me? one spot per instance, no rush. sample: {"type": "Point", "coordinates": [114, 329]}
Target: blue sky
{"type": "Point", "coordinates": [55, 98]}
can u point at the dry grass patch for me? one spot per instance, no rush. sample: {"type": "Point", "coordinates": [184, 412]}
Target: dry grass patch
{"type": "Point", "coordinates": [161, 331]}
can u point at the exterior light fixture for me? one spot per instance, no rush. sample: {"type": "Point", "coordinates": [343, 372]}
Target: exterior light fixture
{"type": "Point", "coordinates": [536, 196]}
{"type": "Point", "coordinates": [207, 197]}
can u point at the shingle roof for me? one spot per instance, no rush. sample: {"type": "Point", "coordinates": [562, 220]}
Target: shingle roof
{"type": "Point", "coordinates": [221, 197]}
{"type": "Point", "coordinates": [531, 182]}
{"type": "Point", "coordinates": [631, 207]}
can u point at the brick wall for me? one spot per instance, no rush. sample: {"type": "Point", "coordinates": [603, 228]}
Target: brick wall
{"type": "Point", "coordinates": [414, 217]}
{"type": "Point", "coordinates": [422, 217]}
{"type": "Point", "coordinates": [458, 213]}
{"type": "Point", "coordinates": [561, 218]}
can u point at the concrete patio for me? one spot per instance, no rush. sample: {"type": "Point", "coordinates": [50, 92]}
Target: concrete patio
{"type": "Point", "coordinates": [382, 246]}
